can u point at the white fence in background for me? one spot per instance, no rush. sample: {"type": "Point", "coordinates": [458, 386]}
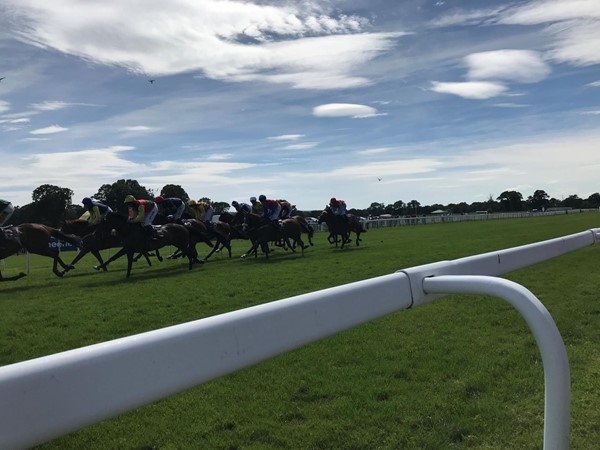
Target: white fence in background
{"type": "Point", "coordinates": [48, 397]}
{"type": "Point", "coordinates": [450, 218]}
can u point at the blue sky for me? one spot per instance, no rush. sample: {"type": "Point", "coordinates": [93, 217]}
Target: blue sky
{"type": "Point", "coordinates": [445, 101]}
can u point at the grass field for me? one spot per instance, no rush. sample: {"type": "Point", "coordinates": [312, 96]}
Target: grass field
{"type": "Point", "coordinates": [461, 372]}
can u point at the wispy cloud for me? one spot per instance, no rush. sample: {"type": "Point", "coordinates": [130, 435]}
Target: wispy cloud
{"type": "Point", "coordinates": [227, 40]}
{"type": "Point", "coordinates": [138, 128]}
{"type": "Point", "coordinates": [219, 156]}
{"type": "Point", "coordinates": [4, 106]}
{"type": "Point", "coordinates": [21, 120]}
{"type": "Point", "coordinates": [49, 130]}
{"type": "Point", "coordinates": [303, 146]}
{"type": "Point", "coordinates": [373, 151]}
{"type": "Point", "coordinates": [594, 84]}
{"type": "Point", "coordinates": [53, 105]}
{"type": "Point", "coordinates": [510, 105]}
{"type": "Point", "coordinates": [287, 137]}
{"type": "Point", "coordinates": [345, 110]}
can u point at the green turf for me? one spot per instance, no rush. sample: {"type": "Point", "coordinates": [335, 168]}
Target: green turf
{"type": "Point", "coordinates": [461, 372]}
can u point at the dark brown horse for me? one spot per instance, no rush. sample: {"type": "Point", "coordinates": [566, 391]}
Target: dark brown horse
{"type": "Point", "coordinates": [261, 232]}
{"type": "Point", "coordinates": [35, 238]}
{"type": "Point", "coordinates": [135, 239]}
{"type": "Point", "coordinates": [217, 231]}
{"type": "Point", "coordinates": [305, 227]}
{"type": "Point", "coordinates": [94, 240]}
{"type": "Point", "coordinates": [341, 226]}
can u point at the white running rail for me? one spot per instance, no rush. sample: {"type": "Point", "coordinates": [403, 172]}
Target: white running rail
{"type": "Point", "coordinates": [48, 397]}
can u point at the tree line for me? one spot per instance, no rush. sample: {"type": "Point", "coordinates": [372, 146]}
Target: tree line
{"type": "Point", "coordinates": [51, 205]}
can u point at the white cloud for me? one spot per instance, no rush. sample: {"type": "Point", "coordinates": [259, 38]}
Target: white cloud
{"type": "Point", "coordinates": [49, 130]}
{"type": "Point", "coordinates": [50, 105]}
{"type": "Point", "coordinates": [138, 128]}
{"type": "Point", "coordinates": [302, 146]}
{"type": "Point", "coordinates": [573, 25]}
{"type": "Point", "coordinates": [592, 112]}
{"type": "Point", "coordinates": [373, 151]}
{"type": "Point", "coordinates": [576, 42]}
{"type": "Point", "coordinates": [4, 106]}
{"type": "Point", "coordinates": [524, 66]}
{"type": "Point", "coordinates": [287, 137]}
{"type": "Point", "coordinates": [594, 84]}
{"type": "Point", "coordinates": [344, 110]}
{"type": "Point", "coordinates": [543, 11]}
{"type": "Point", "coordinates": [210, 37]}
{"type": "Point", "coordinates": [219, 156]}
{"type": "Point", "coordinates": [395, 167]}
{"type": "Point", "coordinates": [477, 90]}
{"type": "Point", "coordinates": [21, 120]}
{"type": "Point", "coordinates": [510, 105]}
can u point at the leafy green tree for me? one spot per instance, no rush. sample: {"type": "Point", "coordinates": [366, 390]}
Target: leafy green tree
{"type": "Point", "coordinates": [511, 201]}
{"type": "Point", "coordinates": [398, 207]}
{"type": "Point", "coordinates": [50, 204]}
{"type": "Point", "coordinates": [220, 207]}
{"type": "Point", "coordinates": [413, 207]}
{"type": "Point", "coordinates": [114, 194]}
{"type": "Point", "coordinates": [174, 190]}
{"type": "Point", "coordinates": [376, 209]}
{"type": "Point", "coordinates": [573, 201]}
{"type": "Point", "coordinates": [594, 200]}
{"type": "Point", "coordinates": [539, 200]}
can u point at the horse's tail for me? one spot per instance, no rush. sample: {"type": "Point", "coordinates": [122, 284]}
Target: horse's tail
{"type": "Point", "coordinates": [70, 238]}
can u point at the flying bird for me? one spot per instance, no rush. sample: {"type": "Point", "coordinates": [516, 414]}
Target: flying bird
{"type": "Point", "coordinates": [151, 81]}
{"type": "Point", "coordinates": [379, 179]}
{"type": "Point", "coordinates": [2, 78]}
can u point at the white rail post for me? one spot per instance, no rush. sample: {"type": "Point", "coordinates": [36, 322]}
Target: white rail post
{"type": "Point", "coordinates": [547, 336]}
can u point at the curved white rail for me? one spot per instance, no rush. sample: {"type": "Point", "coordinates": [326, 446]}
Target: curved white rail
{"type": "Point", "coordinates": [48, 397]}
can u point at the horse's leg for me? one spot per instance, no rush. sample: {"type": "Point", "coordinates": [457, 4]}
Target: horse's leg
{"type": "Point", "coordinates": [98, 256]}
{"type": "Point", "coordinates": [252, 249]}
{"type": "Point", "coordinates": [111, 259]}
{"type": "Point", "coordinates": [79, 255]}
{"type": "Point", "coordinates": [129, 262]}
{"type": "Point", "coordinates": [160, 258]}
{"type": "Point", "coordinates": [13, 278]}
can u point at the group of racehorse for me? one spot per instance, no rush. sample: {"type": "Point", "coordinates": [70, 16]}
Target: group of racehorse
{"type": "Point", "coordinates": [115, 231]}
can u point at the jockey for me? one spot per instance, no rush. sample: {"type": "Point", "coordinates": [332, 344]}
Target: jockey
{"type": "Point", "coordinates": [173, 205]}
{"type": "Point", "coordinates": [142, 212]}
{"type": "Point", "coordinates": [271, 209]}
{"type": "Point", "coordinates": [94, 211]}
{"type": "Point", "coordinates": [286, 209]}
{"type": "Point", "coordinates": [338, 207]}
{"type": "Point", "coordinates": [242, 207]}
{"type": "Point", "coordinates": [6, 210]}
{"type": "Point", "coordinates": [257, 207]}
{"type": "Point", "coordinates": [203, 211]}
{"type": "Point", "coordinates": [206, 210]}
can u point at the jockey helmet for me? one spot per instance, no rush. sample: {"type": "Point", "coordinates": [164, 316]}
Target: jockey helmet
{"type": "Point", "coordinates": [234, 203]}
{"type": "Point", "coordinates": [332, 200]}
{"type": "Point", "coordinates": [192, 203]}
{"type": "Point", "coordinates": [252, 199]}
{"type": "Point", "coordinates": [159, 199]}
{"type": "Point", "coordinates": [262, 198]}
{"type": "Point", "coordinates": [86, 201]}
{"type": "Point", "coordinates": [129, 199]}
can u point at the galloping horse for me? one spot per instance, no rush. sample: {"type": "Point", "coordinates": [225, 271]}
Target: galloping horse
{"type": "Point", "coordinates": [261, 232]}
{"type": "Point", "coordinates": [94, 240]}
{"type": "Point", "coordinates": [305, 227]}
{"type": "Point", "coordinates": [35, 238]}
{"type": "Point", "coordinates": [342, 226]}
{"type": "Point", "coordinates": [135, 241]}
{"type": "Point", "coordinates": [219, 231]}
